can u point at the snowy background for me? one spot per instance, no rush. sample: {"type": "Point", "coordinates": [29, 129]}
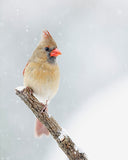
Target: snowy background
{"type": "Point", "coordinates": [92, 102]}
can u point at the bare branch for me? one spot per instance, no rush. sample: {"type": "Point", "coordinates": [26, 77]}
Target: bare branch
{"type": "Point", "coordinates": [61, 137]}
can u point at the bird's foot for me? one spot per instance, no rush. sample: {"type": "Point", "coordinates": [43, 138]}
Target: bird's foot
{"type": "Point", "coordinates": [45, 107]}
{"type": "Point", "coordinates": [30, 90]}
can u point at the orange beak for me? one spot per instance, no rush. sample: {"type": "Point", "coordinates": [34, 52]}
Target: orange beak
{"type": "Point", "coordinates": [55, 53]}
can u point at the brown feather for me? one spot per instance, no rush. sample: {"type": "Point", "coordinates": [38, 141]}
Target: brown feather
{"type": "Point", "coordinates": [43, 79]}
{"type": "Point", "coordinates": [42, 76]}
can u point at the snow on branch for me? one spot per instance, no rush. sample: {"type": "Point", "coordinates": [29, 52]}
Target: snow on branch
{"type": "Point", "coordinates": [59, 134]}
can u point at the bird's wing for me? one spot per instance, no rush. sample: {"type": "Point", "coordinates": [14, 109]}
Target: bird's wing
{"type": "Point", "coordinates": [24, 69]}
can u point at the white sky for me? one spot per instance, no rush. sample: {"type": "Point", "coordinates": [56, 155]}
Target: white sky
{"type": "Point", "coordinates": [102, 130]}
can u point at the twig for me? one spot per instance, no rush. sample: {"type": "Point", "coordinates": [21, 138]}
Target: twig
{"type": "Point", "coordinates": [61, 137]}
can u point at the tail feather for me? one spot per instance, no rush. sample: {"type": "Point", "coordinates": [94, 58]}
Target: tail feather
{"type": "Point", "coordinates": [40, 129]}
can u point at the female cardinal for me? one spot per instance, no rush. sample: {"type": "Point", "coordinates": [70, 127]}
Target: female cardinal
{"type": "Point", "coordinates": [42, 74]}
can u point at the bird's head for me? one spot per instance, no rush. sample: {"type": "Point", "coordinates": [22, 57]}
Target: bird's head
{"type": "Point", "coordinates": [47, 48]}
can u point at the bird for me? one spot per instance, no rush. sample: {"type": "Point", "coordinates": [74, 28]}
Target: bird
{"type": "Point", "coordinates": [42, 75]}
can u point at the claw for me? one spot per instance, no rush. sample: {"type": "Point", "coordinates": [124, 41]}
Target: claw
{"type": "Point", "coordinates": [45, 107]}
{"type": "Point", "coordinates": [30, 90]}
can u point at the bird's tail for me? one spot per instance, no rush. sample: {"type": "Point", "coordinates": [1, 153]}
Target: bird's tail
{"type": "Point", "coordinates": [40, 129]}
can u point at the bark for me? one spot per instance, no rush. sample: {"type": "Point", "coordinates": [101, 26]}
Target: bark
{"type": "Point", "coordinates": [61, 137]}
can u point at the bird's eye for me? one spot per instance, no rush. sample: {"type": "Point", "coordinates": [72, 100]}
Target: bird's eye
{"type": "Point", "coordinates": [46, 48]}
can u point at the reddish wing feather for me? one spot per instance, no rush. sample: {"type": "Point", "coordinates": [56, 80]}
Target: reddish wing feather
{"type": "Point", "coordinates": [24, 69]}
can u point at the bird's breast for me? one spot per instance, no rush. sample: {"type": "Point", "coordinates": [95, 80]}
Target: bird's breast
{"type": "Point", "coordinates": [43, 79]}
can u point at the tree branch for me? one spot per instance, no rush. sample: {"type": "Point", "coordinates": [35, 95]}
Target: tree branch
{"type": "Point", "coordinates": [61, 137]}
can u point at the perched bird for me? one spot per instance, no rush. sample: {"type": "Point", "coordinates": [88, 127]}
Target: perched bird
{"type": "Point", "coordinates": [42, 74]}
